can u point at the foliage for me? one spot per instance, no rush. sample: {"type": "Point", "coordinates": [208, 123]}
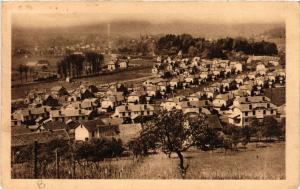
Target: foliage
{"type": "Point", "coordinates": [173, 132]}
{"type": "Point", "coordinates": [171, 44]}
{"type": "Point", "coordinates": [74, 65]}
{"type": "Point", "coordinates": [98, 149]}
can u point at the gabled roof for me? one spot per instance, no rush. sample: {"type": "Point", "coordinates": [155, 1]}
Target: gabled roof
{"type": "Point", "coordinates": [214, 122]}
{"type": "Point", "coordinates": [17, 130]}
{"type": "Point", "coordinates": [55, 125]}
{"type": "Point", "coordinates": [56, 88]}
{"type": "Point", "coordinates": [92, 125]}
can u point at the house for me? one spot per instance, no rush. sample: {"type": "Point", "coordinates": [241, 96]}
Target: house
{"type": "Point", "coordinates": [132, 111]}
{"type": "Point", "coordinates": [261, 69]}
{"type": "Point", "coordinates": [65, 114]}
{"type": "Point", "coordinates": [169, 105]}
{"type": "Point", "coordinates": [174, 83]}
{"type": "Point", "coordinates": [225, 85]}
{"type": "Point", "coordinates": [222, 100]}
{"type": "Point", "coordinates": [271, 76]}
{"type": "Point", "coordinates": [93, 88]}
{"type": "Point", "coordinates": [134, 97]}
{"type": "Point", "coordinates": [88, 104]}
{"type": "Point", "coordinates": [238, 67]}
{"type": "Point", "coordinates": [203, 76]}
{"type": "Point", "coordinates": [58, 91]}
{"type": "Point", "coordinates": [162, 86]}
{"type": "Point", "coordinates": [251, 75]}
{"type": "Point", "coordinates": [108, 103]}
{"type": "Point", "coordinates": [49, 100]}
{"type": "Point", "coordinates": [90, 129]}
{"type": "Point", "coordinates": [242, 115]}
{"type": "Point", "coordinates": [111, 66]}
{"type": "Point", "coordinates": [123, 64]}
{"type": "Point", "coordinates": [189, 79]}
{"type": "Point", "coordinates": [29, 115]}
{"type": "Point", "coordinates": [215, 87]}
{"type": "Point", "coordinates": [259, 81]}
{"type": "Point", "coordinates": [246, 108]}
{"type": "Point", "coordinates": [151, 91]}
{"type": "Point", "coordinates": [153, 81]}
{"type": "Point", "coordinates": [239, 80]}
{"type": "Point", "coordinates": [85, 93]}
{"type": "Point", "coordinates": [227, 70]}
{"type": "Point", "coordinates": [192, 97]}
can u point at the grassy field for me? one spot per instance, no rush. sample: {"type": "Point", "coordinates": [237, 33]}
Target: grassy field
{"type": "Point", "coordinates": [19, 92]}
{"type": "Point", "coordinates": [251, 163]}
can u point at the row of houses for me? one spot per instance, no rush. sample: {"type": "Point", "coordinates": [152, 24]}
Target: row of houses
{"type": "Point", "coordinates": [235, 97]}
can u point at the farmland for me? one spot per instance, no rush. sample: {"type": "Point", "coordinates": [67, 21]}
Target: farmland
{"type": "Point", "coordinates": [267, 162]}
{"type": "Point", "coordinates": [134, 73]}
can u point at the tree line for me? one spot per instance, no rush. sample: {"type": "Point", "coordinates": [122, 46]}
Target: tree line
{"type": "Point", "coordinates": [172, 44]}
{"type": "Point", "coordinates": [77, 65]}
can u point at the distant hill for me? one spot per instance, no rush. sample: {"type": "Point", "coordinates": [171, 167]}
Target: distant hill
{"type": "Point", "coordinates": [25, 36]}
{"type": "Point", "coordinates": [278, 32]}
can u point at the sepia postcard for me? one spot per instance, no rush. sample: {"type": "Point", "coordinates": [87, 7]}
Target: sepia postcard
{"type": "Point", "coordinates": [150, 94]}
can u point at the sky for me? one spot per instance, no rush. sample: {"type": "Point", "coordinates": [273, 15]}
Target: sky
{"type": "Point", "coordinates": [151, 13]}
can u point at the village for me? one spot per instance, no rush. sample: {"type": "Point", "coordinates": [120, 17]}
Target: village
{"type": "Point", "coordinates": [89, 111]}
{"type": "Point", "coordinates": [228, 92]}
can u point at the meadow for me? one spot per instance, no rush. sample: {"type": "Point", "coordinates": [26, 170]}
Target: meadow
{"type": "Point", "coordinates": [264, 162]}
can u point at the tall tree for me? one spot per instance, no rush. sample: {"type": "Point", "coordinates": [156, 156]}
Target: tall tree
{"type": "Point", "coordinates": [173, 132]}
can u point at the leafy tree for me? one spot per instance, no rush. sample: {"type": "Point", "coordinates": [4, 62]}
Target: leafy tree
{"type": "Point", "coordinates": [173, 132]}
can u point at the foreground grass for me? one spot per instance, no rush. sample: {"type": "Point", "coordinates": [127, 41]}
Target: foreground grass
{"type": "Point", "coordinates": [251, 163]}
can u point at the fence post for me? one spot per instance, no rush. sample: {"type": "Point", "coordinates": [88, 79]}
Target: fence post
{"type": "Point", "coordinates": [56, 164]}
{"type": "Point", "coordinates": [74, 166]}
{"type": "Point", "coordinates": [35, 147]}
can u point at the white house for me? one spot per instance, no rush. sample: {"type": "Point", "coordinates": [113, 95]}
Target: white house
{"type": "Point", "coordinates": [238, 67]}
{"type": "Point", "coordinates": [123, 64]}
{"type": "Point", "coordinates": [111, 66]}
{"type": "Point", "coordinates": [261, 69]}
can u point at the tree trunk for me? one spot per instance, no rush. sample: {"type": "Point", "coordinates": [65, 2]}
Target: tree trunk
{"type": "Point", "coordinates": [181, 163]}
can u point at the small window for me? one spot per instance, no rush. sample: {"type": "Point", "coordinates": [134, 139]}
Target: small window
{"type": "Point", "coordinates": [246, 113]}
{"type": "Point", "coordinates": [264, 112]}
{"type": "Point", "coordinates": [93, 134]}
{"type": "Point", "coordinates": [148, 112]}
{"type": "Point", "coordinates": [272, 111]}
{"type": "Point", "coordinates": [250, 106]}
{"type": "Point", "coordinates": [246, 119]}
{"type": "Point", "coordinates": [253, 112]}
